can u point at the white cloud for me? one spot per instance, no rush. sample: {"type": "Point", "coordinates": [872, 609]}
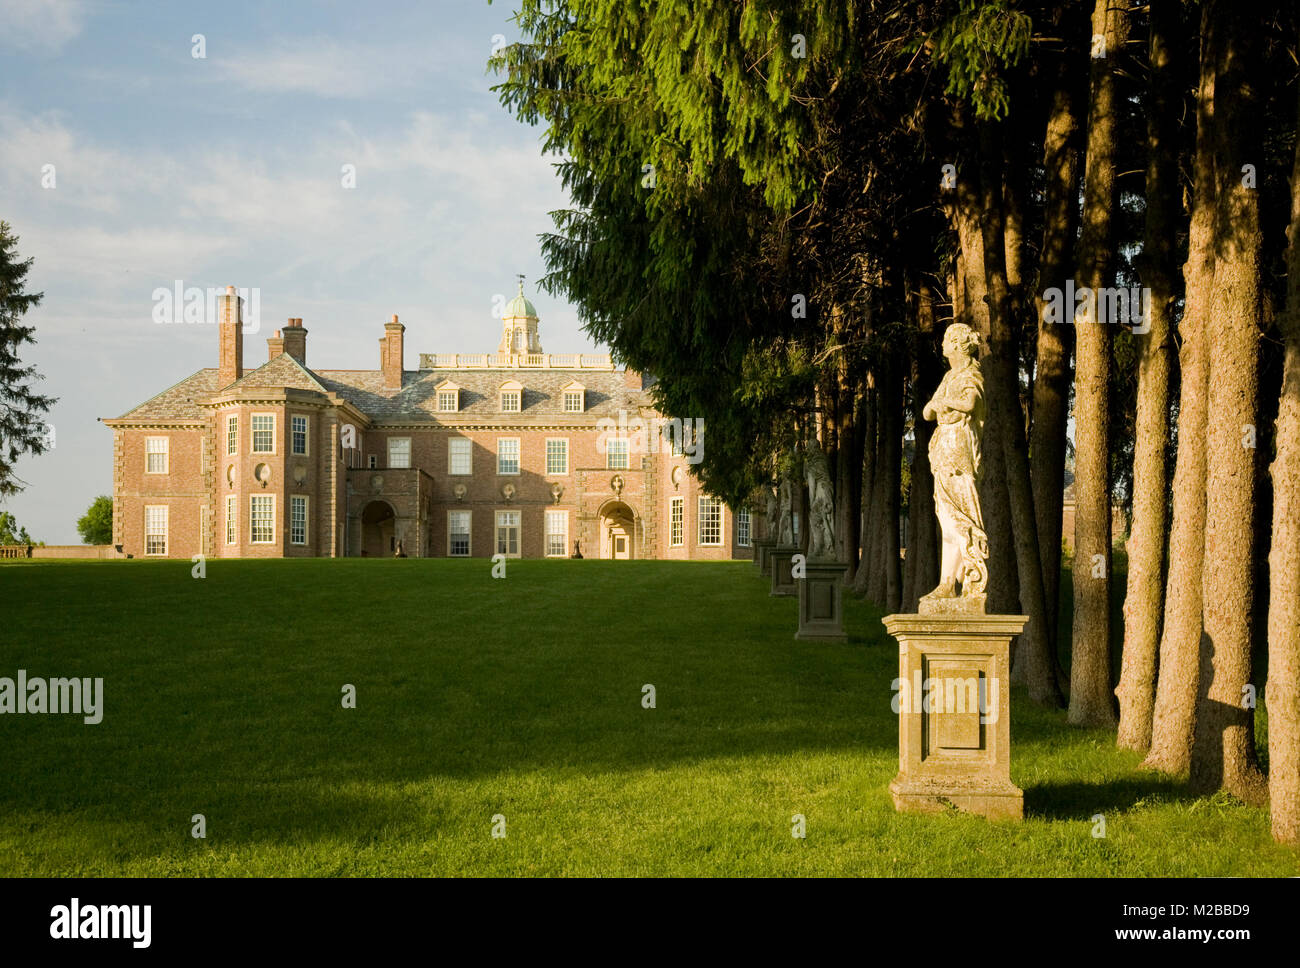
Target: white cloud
{"type": "Point", "coordinates": [43, 25]}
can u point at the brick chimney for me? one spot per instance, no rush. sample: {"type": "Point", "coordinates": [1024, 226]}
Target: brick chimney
{"type": "Point", "coordinates": [390, 354]}
{"type": "Point", "coordinates": [274, 346]}
{"type": "Point", "coordinates": [230, 357]}
{"type": "Point", "coordinates": [295, 340]}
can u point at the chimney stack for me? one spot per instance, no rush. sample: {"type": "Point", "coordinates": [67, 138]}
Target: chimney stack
{"type": "Point", "coordinates": [390, 354]}
{"type": "Point", "coordinates": [230, 357]}
{"type": "Point", "coordinates": [295, 340]}
{"type": "Point", "coordinates": [274, 346]}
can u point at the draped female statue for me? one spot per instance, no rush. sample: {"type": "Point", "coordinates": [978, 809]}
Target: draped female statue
{"type": "Point", "coordinates": [958, 409]}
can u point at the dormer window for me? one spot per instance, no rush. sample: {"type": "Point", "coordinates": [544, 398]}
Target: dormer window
{"type": "Point", "coordinates": [448, 397]}
{"type": "Point", "coordinates": [512, 395]}
{"type": "Point", "coordinates": [575, 398]}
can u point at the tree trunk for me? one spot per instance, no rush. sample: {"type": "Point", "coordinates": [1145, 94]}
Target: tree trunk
{"type": "Point", "coordinates": [1091, 700]}
{"type": "Point", "coordinates": [1223, 748]}
{"type": "Point", "coordinates": [1283, 690]}
{"type": "Point", "coordinates": [1179, 673]}
{"type": "Point", "coordinates": [1052, 372]}
{"type": "Point", "coordinates": [1004, 431]}
{"type": "Point", "coordinates": [1144, 601]}
{"type": "Point", "coordinates": [1003, 585]}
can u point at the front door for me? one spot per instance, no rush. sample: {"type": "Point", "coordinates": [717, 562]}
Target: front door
{"type": "Point", "coordinates": [620, 545]}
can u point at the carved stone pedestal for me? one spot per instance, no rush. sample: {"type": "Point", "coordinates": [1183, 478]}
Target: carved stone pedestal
{"type": "Point", "coordinates": [954, 714]}
{"type": "Point", "coordinates": [821, 601]}
{"type": "Point", "coordinates": [783, 582]}
{"type": "Point", "coordinates": [763, 555]}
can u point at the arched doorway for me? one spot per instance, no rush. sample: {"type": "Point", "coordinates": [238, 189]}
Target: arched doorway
{"type": "Point", "coordinates": [617, 531]}
{"type": "Point", "coordinates": [377, 530]}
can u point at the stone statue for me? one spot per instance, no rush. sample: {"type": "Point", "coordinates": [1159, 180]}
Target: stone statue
{"type": "Point", "coordinates": [785, 526]}
{"type": "Point", "coordinates": [958, 409]}
{"type": "Point", "coordinates": [821, 504]}
{"type": "Point", "coordinates": [773, 513]}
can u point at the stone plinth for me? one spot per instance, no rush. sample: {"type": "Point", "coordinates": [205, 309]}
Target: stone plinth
{"type": "Point", "coordinates": [821, 602]}
{"type": "Point", "coordinates": [783, 582]}
{"type": "Point", "coordinates": [954, 714]}
{"type": "Point", "coordinates": [763, 555]}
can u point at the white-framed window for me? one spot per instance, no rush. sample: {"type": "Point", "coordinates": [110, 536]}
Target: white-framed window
{"type": "Point", "coordinates": [710, 521]}
{"type": "Point", "coordinates": [742, 527]}
{"type": "Point", "coordinates": [557, 456]}
{"type": "Point", "coordinates": [263, 433]}
{"type": "Point", "coordinates": [508, 533]}
{"type": "Point", "coordinates": [232, 434]}
{"type": "Point", "coordinates": [557, 534]}
{"type": "Point", "coordinates": [155, 455]}
{"type": "Point", "coordinates": [458, 533]}
{"type": "Point", "coordinates": [507, 455]}
{"type": "Point", "coordinates": [298, 426]}
{"type": "Point", "coordinates": [372, 461]}
{"type": "Point", "coordinates": [399, 451]}
{"type": "Point", "coordinates": [297, 519]}
{"type": "Point", "coordinates": [261, 519]}
{"type": "Point", "coordinates": [676, 521]}
{"type": "Point", "coordinates": [232, 519]}
{"type": "Point", "coordinates": [155, 529]}
{"type": "Point", "coordinates": [510, 400]}
{"type": "Point", "coordinates": [615, 453]}
{"type": "Point", "coordinates": [573, 401]}
{"type": "Point", "coordinates": [459, 450]}
{"type": "Point", "coordinates": [448, 401]}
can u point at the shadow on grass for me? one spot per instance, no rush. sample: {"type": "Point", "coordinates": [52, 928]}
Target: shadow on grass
{"type": "Point", "coordinates": [1080, 801]}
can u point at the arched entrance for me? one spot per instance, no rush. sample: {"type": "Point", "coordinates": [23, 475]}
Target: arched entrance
{"type": "Point", "coordinates": [617, 531]}
{"type": "Point", "coordinates": [377, 531]}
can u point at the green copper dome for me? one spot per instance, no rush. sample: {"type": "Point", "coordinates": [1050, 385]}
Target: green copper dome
{"type": "Point", "coordinates": [519, 306]}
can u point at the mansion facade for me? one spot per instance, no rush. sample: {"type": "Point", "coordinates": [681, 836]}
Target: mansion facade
{"type": "Point", "coordinates": [468, 456]}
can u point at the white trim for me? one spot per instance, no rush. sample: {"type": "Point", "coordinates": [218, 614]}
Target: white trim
{"type": "Point", "coordinates": [166, 528]}
{"type": "Point", "coordinates": [253, 432]}
{"type": "Point", "coordinates": [699, 521]}
{"type": "Point", "coordinates": [252, 531]}
{"type": "Point", "coordinates": [469, 532]}
{"type": "Point", "coordinates": [549, 472]}
{"type": "Point", "coordinates": [469, 456]}
{"type": "Point", "coordinates": [681, 530]}
{"type": "Point", "coordinates": [165, 453]}
{"type": "Point", "coordinates": [519, 460]}
{"type": "Point", "coordinates": [232, 519]}
{"type": "Point", "coordinates": [389, 448]}
{"type": "Point", "coordinates": [547, 533]}
{"type": "Point", "coordinates": [306, 435]}
{"type": "Point", "coordinates": [519, 532]}
{"type": "Point", "coordinates": [306, 519]}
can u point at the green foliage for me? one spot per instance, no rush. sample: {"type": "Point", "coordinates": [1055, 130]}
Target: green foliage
{"type": "Point", "coordinates": [96, 525]}
{"type": "Point", "coordinates": [977, 45]}
{"type": "Point", "coordinates": [22, 409]}
{"type": "Point", "coordinates": [11, 533]}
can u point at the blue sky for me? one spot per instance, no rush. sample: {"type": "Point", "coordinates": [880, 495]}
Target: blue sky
{"type": "Point", "coordinates": [227, 169]}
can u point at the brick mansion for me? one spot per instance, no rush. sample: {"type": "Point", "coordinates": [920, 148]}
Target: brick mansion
{"type": "Point", "coordinates": [470, 455]}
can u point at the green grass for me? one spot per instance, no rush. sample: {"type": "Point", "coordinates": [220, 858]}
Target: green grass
{"type": "Point", "coordinates": [520, 697]}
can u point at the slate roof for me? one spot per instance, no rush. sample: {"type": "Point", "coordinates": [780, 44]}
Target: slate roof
{"type": "Point", "coordinates": [177, 402]}
{"type": "Point", "coordinates": [543, 394]}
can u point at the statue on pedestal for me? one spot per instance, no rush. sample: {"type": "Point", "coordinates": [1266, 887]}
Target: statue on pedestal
{"type": "Point", "coordinates": [773, 513]}
{"type": "Point", "coordinates": [821, 504]}
{"type": "Point", "coordinates": [958, 408]}
{"type": "Point", "coordinates": [785, 526]}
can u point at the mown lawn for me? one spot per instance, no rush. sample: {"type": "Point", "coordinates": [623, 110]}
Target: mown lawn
{"type": "Point", "coordinates": [520, 697]}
